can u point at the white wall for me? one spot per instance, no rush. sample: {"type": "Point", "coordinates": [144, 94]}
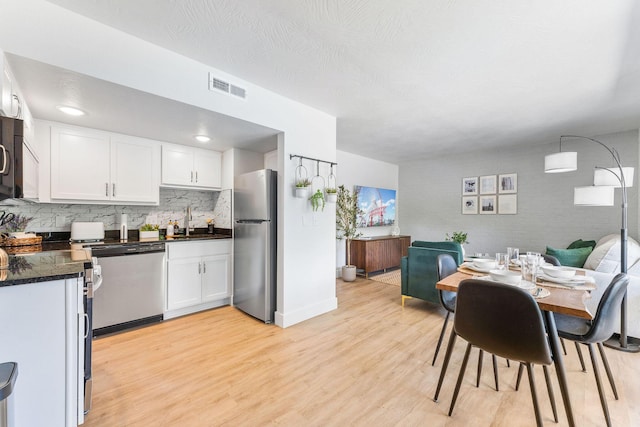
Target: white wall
{"type": "Point", "coordinates": [431, 197]}
{"type": "Point", "coordinates": [354, 170]}
{"type": "Point", "coordinates": [44, 32]}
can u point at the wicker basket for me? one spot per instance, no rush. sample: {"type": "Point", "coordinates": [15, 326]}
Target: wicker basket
{"type": "Point", "coordinates": [9, 242]}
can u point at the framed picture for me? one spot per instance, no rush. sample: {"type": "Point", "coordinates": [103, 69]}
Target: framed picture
{"type": "Point", "coordinates": [377, 206]}
{"type": "Point", "coordinates": [487, 205]}
{"type": "Point", "coordinates": [469, 205]}
{"type": "Point", "coordinates": [508, 204]}
{"type": "Point", "coordinates": [488, 184]}
{"type": "Point", "coordinates": [470, 186]}
{"type": "Point", "coordinates": [508, 183]}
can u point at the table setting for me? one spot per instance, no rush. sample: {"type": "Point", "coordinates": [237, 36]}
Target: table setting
{"type": "Point", "coordinates": [529, 272]}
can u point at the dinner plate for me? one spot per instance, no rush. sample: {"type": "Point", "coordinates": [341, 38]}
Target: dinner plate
{"type": "Point", "coordinates": [574, 281]}
{"type": "Point", "coordinates": [470, 266]}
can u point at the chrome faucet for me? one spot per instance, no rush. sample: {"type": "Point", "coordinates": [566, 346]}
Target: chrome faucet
{"type": "Point", "coordinates": [187, 221]}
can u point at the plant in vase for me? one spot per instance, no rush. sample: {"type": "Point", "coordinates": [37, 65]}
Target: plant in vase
{"type": "Point", "coordinates": [317, 200]}
{"type": "Point", "coordinates": [459, 237]}
{"type": "Point", "coordinates": [16, 225]}
{"type": "Point", "coordinates": [150, 231]}
{"type": "Point", "coordinates": [346, 213]}
{"type": "Point", "coordinates": [331, 194]}
{"type": "Point", "coordinates": [302, 188]}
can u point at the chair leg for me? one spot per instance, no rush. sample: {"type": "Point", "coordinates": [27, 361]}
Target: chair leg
{"type": "Point", "coordinates": [480, 357]}
{"type": "Point", "coordinates": [520, 368]}
{"type": "Point", "coordinates": [447, 357]}
{"type": "Point", "coordinates": [508, 364]}
{"type": "Point", "coordinates": [605, 362]}
{"type": "Point", "coordinates": [534, 395]}
{"type": "Point", "coordinates": [596, 373]}
{"type": "Point", "coordinates": [552, 397]}
{"type": "Point", "coordinates": [584, 368]}
{"type": "Point", "coordinates": [460, 376]}
{"type": "Point", "coordinates": [444, 328]}
{"type": "Point", "coordinates": [564, 349]}
{"type": "Point", "coordinates": [495, 370]}
{"type": "Point", "coordinates": [405, 297]}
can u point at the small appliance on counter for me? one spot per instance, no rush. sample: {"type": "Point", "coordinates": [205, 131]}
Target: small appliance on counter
{"type": "Point", "coordinates": [124, 230]}
{"type": "Point", "coordinates": [87, 232]}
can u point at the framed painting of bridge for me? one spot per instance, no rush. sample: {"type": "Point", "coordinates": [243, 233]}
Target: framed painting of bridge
{"type": "Point", "coordinates": [377, 206]}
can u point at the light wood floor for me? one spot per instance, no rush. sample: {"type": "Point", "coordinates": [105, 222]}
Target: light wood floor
{"type": "Point", "coordinates": [368, 363]}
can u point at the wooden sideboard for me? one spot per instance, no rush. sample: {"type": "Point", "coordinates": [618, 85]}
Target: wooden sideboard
{"type": "Point", "coordinates": [378, 253]}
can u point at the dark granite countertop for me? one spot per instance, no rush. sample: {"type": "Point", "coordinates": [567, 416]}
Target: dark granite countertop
{"type": "Point", "coordinates": [43, 267]}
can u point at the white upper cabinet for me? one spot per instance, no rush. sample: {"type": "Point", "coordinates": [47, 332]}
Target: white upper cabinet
{"type": "Point", "coordinates": [191, 167]}
{"type": "Point", "coordinates": [89, 165]}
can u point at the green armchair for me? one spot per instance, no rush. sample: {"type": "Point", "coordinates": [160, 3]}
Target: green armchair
{"type": "Point", "coordinates": [419, 269]}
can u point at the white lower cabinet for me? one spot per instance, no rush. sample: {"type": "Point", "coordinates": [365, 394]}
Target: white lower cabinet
{"type": "Point", "coordinates": [198, 276]}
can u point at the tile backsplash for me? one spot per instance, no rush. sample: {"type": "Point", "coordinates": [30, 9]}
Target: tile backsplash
{"type": "Point", "coordinates": [215, 205]}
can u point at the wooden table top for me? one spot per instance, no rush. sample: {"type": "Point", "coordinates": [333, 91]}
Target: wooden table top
{"type": "Point", "coordinates": [564, 301]}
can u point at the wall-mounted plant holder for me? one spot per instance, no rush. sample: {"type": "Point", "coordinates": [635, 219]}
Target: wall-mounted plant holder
{"type": "Point", "coordinates": [331, 191]}
{"type": "Point", "coordinates": [302, 181]}
{"type": "Point", "coordinates": [317, 187]}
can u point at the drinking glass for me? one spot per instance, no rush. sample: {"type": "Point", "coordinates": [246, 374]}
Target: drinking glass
{"type": "Point", "coordinates": [502, 261]}
{"type": "Point", "coordinates": [513, 254]}
{"type": "Point", "coordinates": [530, 267]}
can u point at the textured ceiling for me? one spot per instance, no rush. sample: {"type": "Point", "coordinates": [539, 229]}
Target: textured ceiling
{"type": "Point", "coordinates": [410, 79]}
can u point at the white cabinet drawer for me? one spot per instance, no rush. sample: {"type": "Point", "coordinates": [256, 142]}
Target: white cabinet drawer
{"type": "Point", "coordinates": [190, 249]}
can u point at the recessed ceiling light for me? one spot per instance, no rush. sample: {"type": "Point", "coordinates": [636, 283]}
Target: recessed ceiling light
{"type": "Point", "coordinates": [72, 111]}
{"type": "Point", "coordinates": [202, 138]}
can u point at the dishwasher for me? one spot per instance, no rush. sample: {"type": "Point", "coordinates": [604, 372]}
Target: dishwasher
{"type": "Point", "coordinates": [132, 291]}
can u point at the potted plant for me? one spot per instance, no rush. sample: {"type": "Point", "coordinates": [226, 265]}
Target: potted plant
{"type": "Point", "coordinates": [149, 232]}
{"type": "Point", "coordinates": [317, 200]}
{"type": "Point", "coordinates": [302, 188]}
{"type": "Point", "coordinates": [16, 225]}
{"type": "Point", "coordinates": [459, 237]}
{"type": "Point", "coordinates": [331, 194]}
{"type": "Point", "coordinates": [346, 213]}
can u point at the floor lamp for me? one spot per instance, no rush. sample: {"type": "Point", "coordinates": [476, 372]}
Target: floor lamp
{"type": "Point", "coordinates": [601, 193]}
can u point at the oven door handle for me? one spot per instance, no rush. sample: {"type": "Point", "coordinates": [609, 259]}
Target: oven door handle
{"type": "Point", "coordinates": [86, 325]}
{"type": "Point", "coordinates": [4, 159]}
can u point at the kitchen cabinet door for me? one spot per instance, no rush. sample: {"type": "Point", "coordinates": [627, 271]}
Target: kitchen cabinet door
{"type": "Point", "coordinates": [177, 165]}
{"type": "Point", "coordinates": [79, 164]}
{"type": "Point", "coordinates": [135, 170]}
{"type": "Point", "coordinates": [30, 174]}
{"type": "Point", "coordinates": [184, 287]}
{"type": "Point", "coordinates": [207, 167]}
{"type": "Point", "coordinates": [216, 277]}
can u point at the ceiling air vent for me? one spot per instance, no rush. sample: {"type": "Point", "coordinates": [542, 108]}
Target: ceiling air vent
{"type": "Point", "coordinates": [226, 87]}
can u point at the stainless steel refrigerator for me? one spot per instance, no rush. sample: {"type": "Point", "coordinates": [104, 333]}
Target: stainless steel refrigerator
{"type": "Point", "coordinates": [254, 249]}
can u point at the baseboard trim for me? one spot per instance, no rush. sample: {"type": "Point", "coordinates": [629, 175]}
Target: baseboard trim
{"type": "Point", "coordinates": [285, 320]}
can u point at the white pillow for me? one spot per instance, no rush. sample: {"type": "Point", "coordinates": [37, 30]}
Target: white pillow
{"type": "Point", "coordinates": [605, 257]}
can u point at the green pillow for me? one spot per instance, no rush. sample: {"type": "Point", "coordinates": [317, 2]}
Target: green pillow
{"type": "Point", "coordinates": [582, 244]}
{"type": "Point", "coordinates": [571, 257]}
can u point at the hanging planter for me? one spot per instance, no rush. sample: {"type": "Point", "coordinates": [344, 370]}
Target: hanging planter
{"type": "Point", "coordinates": [331, 192]}
{"type": "Point", "coordinates": [302, 182]}
{"type": "Point", "coordinates": [317, 184]}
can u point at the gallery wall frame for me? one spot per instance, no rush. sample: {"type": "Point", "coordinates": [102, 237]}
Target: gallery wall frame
{"type": "Point", "coordinates": [487, 205]}
{"type": "Point", "coordinates": [488, 184]}
{"type": "Point", "coordinates": [508, 204]}
{"type": "Point", "coordinates": [469, 205]}
{"type": "Point", "coordinates": [470, 186]}
{"type": "Point", "coordinates": [508, 183]}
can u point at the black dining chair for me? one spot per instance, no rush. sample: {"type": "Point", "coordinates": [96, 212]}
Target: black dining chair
{"type": "Point", "coordinates": [505, 321]}
{"type": "Point", "coordinates": [447, 266]}
{"type": "Point", "coordinates": [596, 331]}
{"type": "Point", "coordinates": [550, 259]}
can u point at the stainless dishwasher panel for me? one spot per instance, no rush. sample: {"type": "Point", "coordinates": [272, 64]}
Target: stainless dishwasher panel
{"type": "Point", "coordinates": [132, 290]}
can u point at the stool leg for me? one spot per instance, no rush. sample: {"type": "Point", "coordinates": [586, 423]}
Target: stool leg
{"type": "Point", "coordinates": [534, 395]}
{"type": "Point", "coordinates": [596, 373]}
{"type": "Point", "coordinates": [444, 328]}
{"type": "Point", "coordinates": [552, 397]}
{"type": "Point", "coordinates": [447, 357]}
{"type": "Point", "coordinates": [460, 376]}
{"type": "Point", "coordinates": [584, 369]}
{"type": "Point", "coordinates": [605, 362]}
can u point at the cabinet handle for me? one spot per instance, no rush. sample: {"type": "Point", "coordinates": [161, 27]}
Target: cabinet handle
{"type": "Point", "coordinates": [196, 176]}
{"type": "Point", "coordinates": [106, 189]}
{"type": "Point", "coordinates": [114, 189]}
{"type": "Point", "coordinates": [204, 268]}
{"type": "Point", "coordinates": [199, 268]}
{"type": "Point", "coordinates": [4, 161]}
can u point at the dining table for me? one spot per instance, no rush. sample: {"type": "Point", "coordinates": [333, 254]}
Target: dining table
{"type": "Point", "coordinates": [564, 300]}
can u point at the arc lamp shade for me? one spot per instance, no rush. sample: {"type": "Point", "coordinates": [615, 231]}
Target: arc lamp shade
{"type": "Point", "coordinates": [611, 177]}
{"type": "Point", "coordinates": [593, 196]}
{"type": "Point", "coordinates": [564, 161]}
